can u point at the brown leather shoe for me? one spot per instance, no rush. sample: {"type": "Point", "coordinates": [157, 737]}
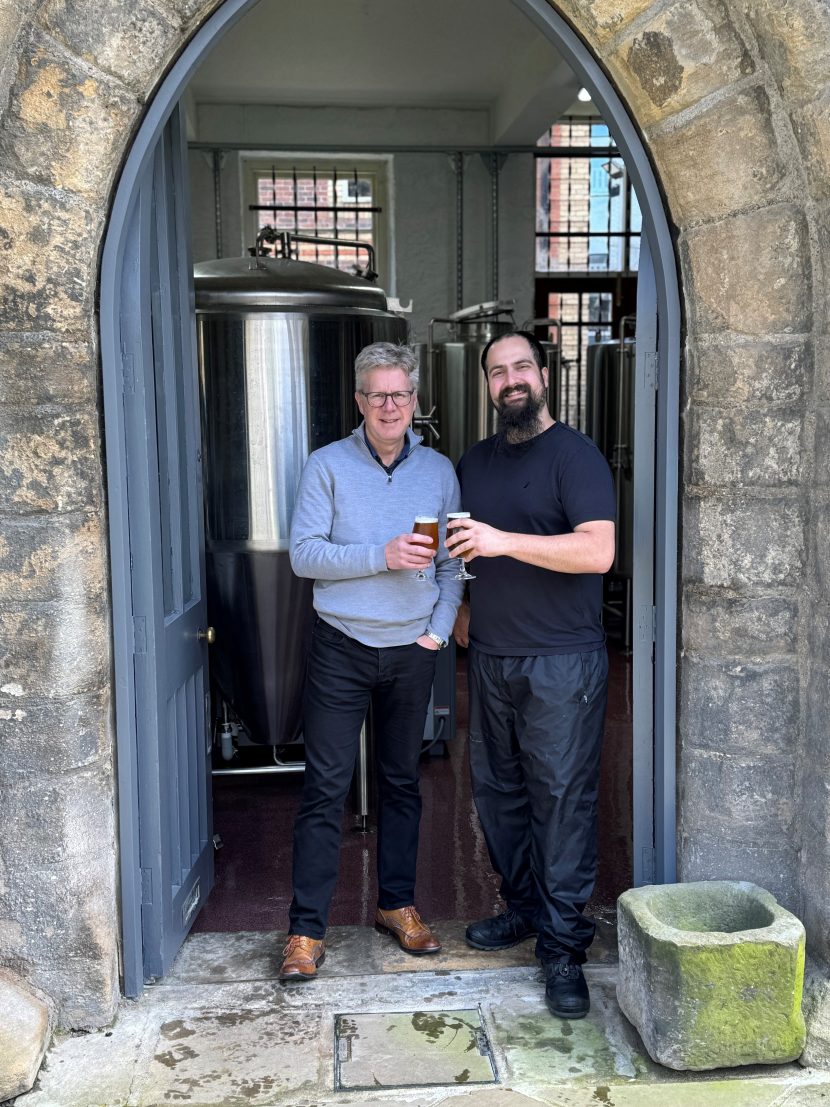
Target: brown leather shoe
{"type": "Point", "coordinates": [301, 957]}
{"type": "Point", "coordinates": [406, 926]}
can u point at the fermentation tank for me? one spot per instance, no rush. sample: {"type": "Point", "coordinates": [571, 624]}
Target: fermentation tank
{"type": "Point", "coordinates": [453, 393]}
{"type": "Point", "coordinates": [277, 340]}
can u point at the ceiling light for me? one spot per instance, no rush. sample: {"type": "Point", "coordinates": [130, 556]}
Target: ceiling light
{"type": "Point", "coordinates": [583, 95]}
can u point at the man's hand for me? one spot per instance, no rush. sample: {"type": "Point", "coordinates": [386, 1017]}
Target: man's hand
{"type": "Point", "coordinates": [409, 551]}
{"type": "Point", "coordinates": [469, 538]}
{"type": "Point", "coordinates": [427, 643]}
{"type": "Point", "coordinates": [461, 630]}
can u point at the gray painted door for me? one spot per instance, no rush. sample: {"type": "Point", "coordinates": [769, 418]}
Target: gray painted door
{"type": "Point", "coordinates": [645, 424]}
{"type": "Point", "coordinates": [161, 418]}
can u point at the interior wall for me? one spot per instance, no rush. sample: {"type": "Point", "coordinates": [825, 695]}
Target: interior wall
{"type": "Point", "coordinates": [422, 194]}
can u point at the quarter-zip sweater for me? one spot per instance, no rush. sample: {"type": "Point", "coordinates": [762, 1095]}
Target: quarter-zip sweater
{"type": "Point", "coordinates": [348, 507]}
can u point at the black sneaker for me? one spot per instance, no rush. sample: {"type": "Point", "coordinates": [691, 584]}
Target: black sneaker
{"type": "Point", "coordinates": [566, 992]}
{"type": "Point", "coordinates": [505, 930]}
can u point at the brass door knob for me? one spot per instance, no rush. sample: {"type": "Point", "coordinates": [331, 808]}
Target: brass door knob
{"type": "Point", "coordinates": [209, 635]}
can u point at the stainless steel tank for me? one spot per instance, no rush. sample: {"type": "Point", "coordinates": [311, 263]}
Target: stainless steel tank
{"type": "Point", "coordinates": [277, 339]}
{"type": "Point", "coordinates": [453, 390]}
{"type": "Point", "coordinates": [610, 423]}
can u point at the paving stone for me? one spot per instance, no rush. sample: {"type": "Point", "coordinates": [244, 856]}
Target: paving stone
{"type": "Point", "coordinates": [25, 1031]}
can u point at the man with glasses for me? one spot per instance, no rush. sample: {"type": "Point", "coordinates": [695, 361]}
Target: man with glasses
{"type": "Point", "coordinates": [376, 638]}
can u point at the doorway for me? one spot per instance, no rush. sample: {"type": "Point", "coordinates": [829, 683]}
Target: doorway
{"type": "Point", "coordinates": [653, 590]}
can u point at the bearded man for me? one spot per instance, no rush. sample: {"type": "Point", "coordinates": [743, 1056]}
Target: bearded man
{"type": "Point", "coordinates": [541, 535]}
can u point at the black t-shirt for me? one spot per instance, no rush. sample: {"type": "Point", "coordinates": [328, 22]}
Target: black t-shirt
{"type": "Point", "coordinates": [548, 485]}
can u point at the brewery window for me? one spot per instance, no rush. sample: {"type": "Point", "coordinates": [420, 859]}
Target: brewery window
{"type": "Point", "coordinates": [323, 196]}
{"type": "Point", "coordinates": [588, 227]}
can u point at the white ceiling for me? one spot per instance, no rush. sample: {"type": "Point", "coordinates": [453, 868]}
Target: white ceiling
{"type": "Point", "coordinates": [410, 53]}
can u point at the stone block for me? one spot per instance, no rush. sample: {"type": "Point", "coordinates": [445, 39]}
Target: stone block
{"type": "Point", "coordinates": [55, 736]}
{"type": "Point", "coordinates": [746, 796]}
{"type": "Point", "coordinates": [727, 371]}
{"type": "Point", "coordinates": [816, 1008]}
{"type": "Point", "coordinates": [54, 819]}
{"type": "Point", "coordinates": [812, 130]}
{"type": "Point", "coordinates": [722, 160]}
{"type": "Point", "coordinates": [743, 447]}
{"type": "Point", "coordinates": [54, 650]}
{"type": "Point", "coordinates": [750, 273]}
{"type": "Point", "coordinates": [684, 52]}
{"type": "Point", "coordinates": [794, 39]}
{"type": "Point", "coordinates": [43, 369]}
{"type": "Point", "coordinates": [739, 626]}
{"type": "Point", "coordinates": [56, 94]}
{"type": "Point", "coordinates": [743, 541]}
{"type": "Point", "coordinates": [600, 20]}
{"type": "Point", "coordinates": [819, 539]}
{"type": "Point", "coordinates": [821, 448]}
{"type": "Point", "coordinates": [50, 242]}
{"type": "Point", "coordinates": [823, 369]}
{"type": "Point", "coordinates": [132, 42]}
{"type": "Point", "coordinates": [49, 461]}
{"type": "Point", "coordinates": [711, 974]}
{"type": "Point", "coordinates": [25, 1033]}
{"type": "Point", "coordinates": [740, 706]}
{"type": "Point", "coordinates": [66, 933]}
{"type": "Point", "coordinates": [814, 872]}
{"type": "Point", "coordinates": [62, 558]}
{"type": "Point", "coordinates": [715, 855]}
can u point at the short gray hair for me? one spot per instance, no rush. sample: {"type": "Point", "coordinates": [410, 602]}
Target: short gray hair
{"type": "Point", "coordinates": [386, 355]}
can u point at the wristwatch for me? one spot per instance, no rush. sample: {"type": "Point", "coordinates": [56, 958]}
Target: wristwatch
{"type": "Point", "coordinates": [437, 639]}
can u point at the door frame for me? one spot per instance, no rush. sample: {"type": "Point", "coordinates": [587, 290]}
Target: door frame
{"type": "Point", "coordinates": [657, 230]}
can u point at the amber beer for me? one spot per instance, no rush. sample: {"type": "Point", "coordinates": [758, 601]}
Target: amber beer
{"type": "Point", "coordinates": [426, 524]}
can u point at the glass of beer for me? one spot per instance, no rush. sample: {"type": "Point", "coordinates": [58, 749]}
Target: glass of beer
{"type": "Point", "coordinates": [426, 524]}
{"type": "Point", "coordinates": [462, 573]}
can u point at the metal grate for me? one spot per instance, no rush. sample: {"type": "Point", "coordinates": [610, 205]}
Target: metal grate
{"type": "Point", "coordinates": [331, 203]}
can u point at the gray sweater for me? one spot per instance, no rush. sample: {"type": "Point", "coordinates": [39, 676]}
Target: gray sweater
{"type": "Point", "coordinates": [347, 509]}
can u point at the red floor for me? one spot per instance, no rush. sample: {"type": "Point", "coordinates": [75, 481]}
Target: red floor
{"type": "Point", "coordinates": [254, 816]}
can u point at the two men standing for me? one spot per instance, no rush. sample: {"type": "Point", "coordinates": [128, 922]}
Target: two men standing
{"type": "Point", "coordinates": [542, 508]}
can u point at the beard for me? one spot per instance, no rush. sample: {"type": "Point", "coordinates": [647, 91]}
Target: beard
{"type": "Point", "coordinates": [519, 422]}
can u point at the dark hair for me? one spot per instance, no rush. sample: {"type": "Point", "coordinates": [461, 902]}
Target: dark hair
{"type": "Point", "coordinates": [533, 342]}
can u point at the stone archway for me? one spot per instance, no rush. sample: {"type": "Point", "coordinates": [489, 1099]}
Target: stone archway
{"type": "Point", "coordinates": [732, 103]}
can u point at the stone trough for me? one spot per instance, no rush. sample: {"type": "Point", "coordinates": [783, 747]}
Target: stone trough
{"type": "Point", "coordinates": [711, 974]}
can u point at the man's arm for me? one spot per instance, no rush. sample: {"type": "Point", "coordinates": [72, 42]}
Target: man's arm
{"type": "Point", "coordinates": [450, 590]}
{"type": "Point", "coordinates": [589, 548]}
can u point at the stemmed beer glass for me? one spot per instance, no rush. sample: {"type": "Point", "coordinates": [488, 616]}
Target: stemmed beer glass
{"type": "Point", "coordinates": [462, 573]}
{"type": "Point", "coordinates": [426, 524]}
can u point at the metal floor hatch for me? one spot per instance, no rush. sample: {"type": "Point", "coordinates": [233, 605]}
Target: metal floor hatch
{"type": "Point", "coordinates": [406, 1049]}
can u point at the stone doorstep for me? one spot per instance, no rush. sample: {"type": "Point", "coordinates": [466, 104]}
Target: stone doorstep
{"type": "Point", "coordinates": [25, 1033]}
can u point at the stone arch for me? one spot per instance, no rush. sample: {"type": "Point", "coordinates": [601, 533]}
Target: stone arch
{"type": "Point", "coordinates": [731, 100]}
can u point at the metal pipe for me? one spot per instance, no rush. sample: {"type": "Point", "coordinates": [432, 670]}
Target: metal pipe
{"type": "Point", "coordinates": [458, 159]}
{"type": "Point", "coordinates": [362, 798]}
{"type": "Point", "coordinates": [549, 321]}
{"type": "Point", "coordinates": [494, 224]}
{"type": "Point", "coordinates": [217, 199]}
{"type": "Point", "coordinates": [388, 148]}
{"type": "Point", "coordinates": [619, 454]}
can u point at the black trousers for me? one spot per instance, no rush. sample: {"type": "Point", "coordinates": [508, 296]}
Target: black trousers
{"type": "Point", "coordinates": [536, 726]}
{"type": "Point", "coordinates": [343, 677]}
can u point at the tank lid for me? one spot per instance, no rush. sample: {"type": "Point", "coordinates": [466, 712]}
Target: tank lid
{"type": "Point", "coordinates": [281, 282]}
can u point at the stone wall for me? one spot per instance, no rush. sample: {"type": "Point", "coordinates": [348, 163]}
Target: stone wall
{"type": "Point", "coordinates": [733, 103]}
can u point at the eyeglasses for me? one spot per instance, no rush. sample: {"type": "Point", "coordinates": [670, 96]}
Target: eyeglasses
{"type": "Point", "coordinates": [378, 399]}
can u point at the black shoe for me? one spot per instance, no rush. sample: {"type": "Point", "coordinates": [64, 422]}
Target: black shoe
{"type": "Point", "coordinates": [501, 932]}
{"type": "Point", "coordinates": [566, 992]}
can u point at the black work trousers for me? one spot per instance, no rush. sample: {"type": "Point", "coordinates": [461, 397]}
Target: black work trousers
{"type": "Point", "coordinates": [343, 677]}
{"type": "Point", "coordinates": [536, 726]}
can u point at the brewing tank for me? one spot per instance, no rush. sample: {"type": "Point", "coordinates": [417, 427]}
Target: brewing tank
{"type": "Point", "coordinates": [610, 423]}
{"type": "Point", "coordinates": [277, 340]}
{"type": "Point", "coordinates": [453, 386]}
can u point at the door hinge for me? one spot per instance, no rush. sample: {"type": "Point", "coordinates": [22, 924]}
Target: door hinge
{"type": "Point", "coordinates": [647, 623]}
{"type": "Point", "coordinates": [128, 374]}
{"type": "Point", "coordinates": [651, 370]}
{"type": "Point", "coordinates": [146, 886]}
{"type": "Point", "coordinates": [139, 634]}
{"type": "Point", "coordinates": [648, 864]}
